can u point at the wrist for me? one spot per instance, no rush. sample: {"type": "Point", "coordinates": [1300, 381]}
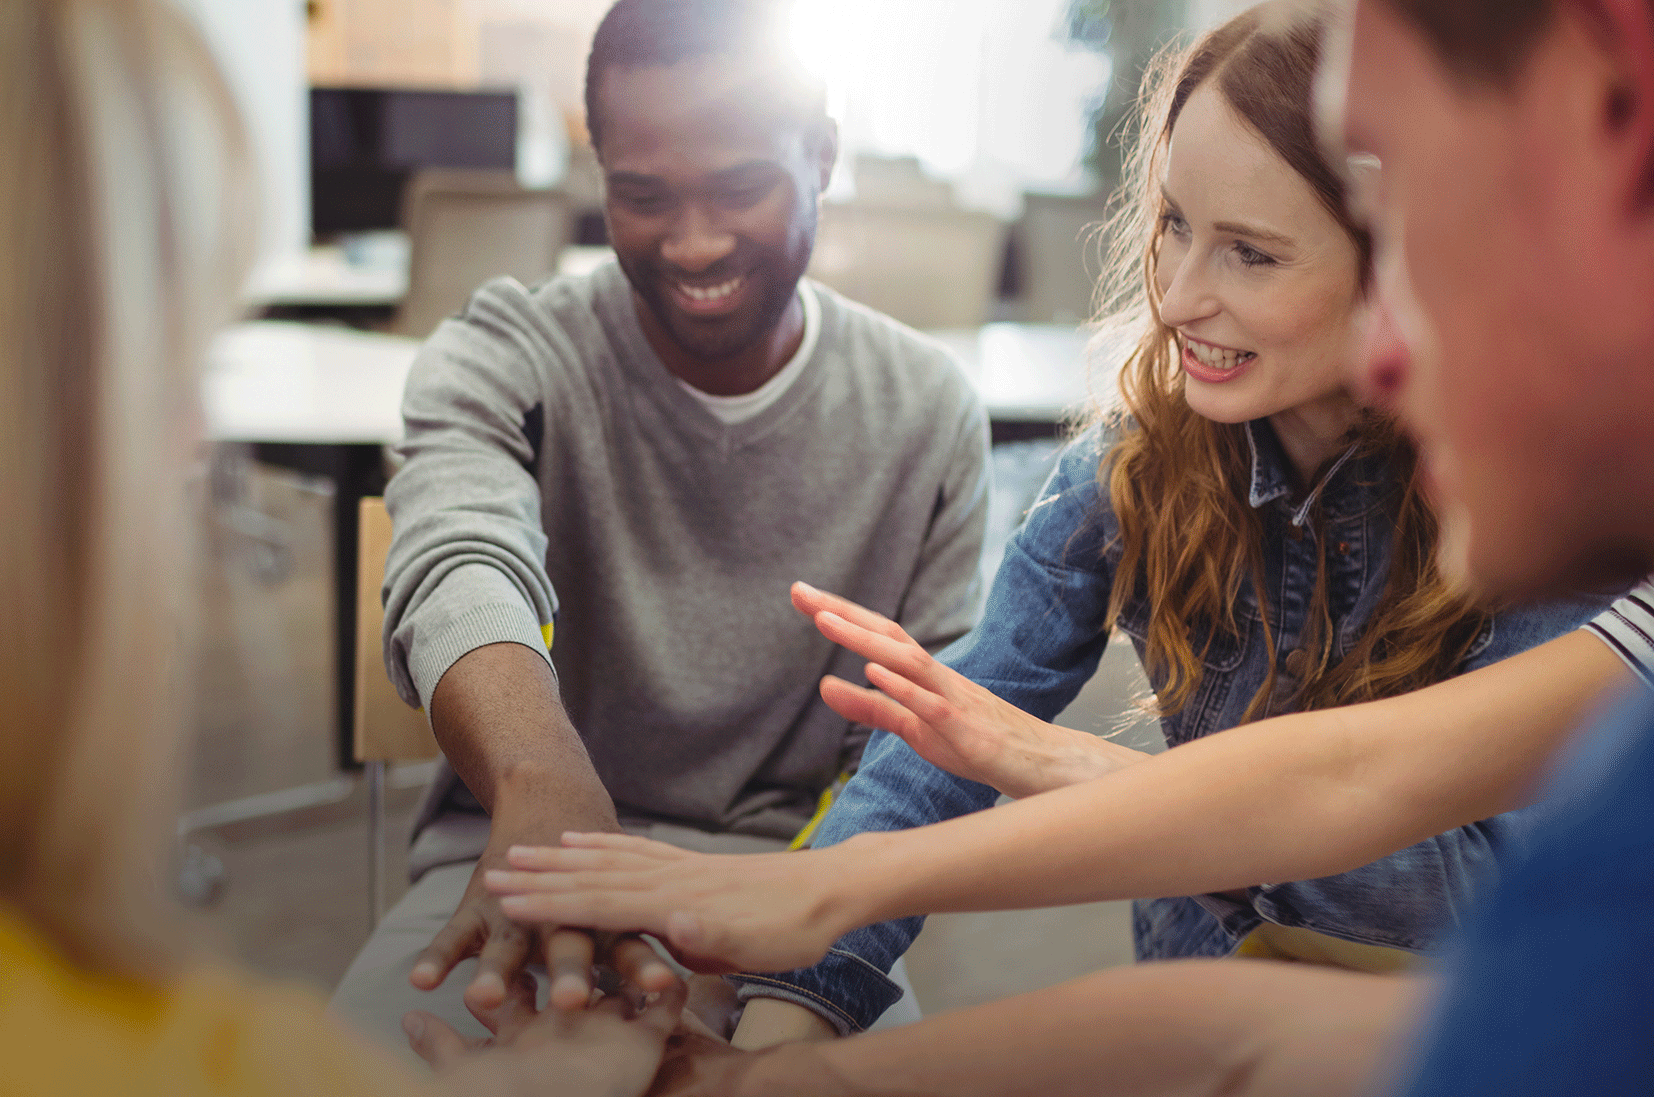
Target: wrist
{"type": "Point", "coordinates": [791, 1070]}
{"type": "Point", "coordinates": [771, 1022]}
{"type": "Point", "coordinates": [538, 799]}
{"type": "Point", "coordinates": [861, 880]}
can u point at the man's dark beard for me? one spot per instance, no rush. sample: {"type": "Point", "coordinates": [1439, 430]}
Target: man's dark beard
{"type": "Point", "coordinates": [716, 342]}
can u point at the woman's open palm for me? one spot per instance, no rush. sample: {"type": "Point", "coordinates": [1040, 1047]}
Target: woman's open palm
{"type": "Point", "coordinates": [950, 721]}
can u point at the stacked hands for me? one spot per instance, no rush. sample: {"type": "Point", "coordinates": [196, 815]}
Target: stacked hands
{"type": "Point", "coordinates": [727, 913]}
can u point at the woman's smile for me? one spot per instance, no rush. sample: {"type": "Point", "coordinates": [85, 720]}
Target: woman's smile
{"type": "Point", "coordinates": [1212, 364]}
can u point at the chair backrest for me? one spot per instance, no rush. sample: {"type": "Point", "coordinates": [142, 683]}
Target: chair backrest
{"type": "Point", "coordinates": [467, 226]}
{"type": "Point", "coordinates": [929, 268]}
{"type": "Point", "coordinates": [386, 729]}
{"type": "Point", "coordinates": [1062, 256]}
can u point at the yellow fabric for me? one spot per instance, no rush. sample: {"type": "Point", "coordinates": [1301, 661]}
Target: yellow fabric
{"type": "Point", "coordinates": [823, 803]}
{"type": "Point", "coordinates": [1272, 942]}
{"type": "Point", "coordinates": [68, 1031]}
{"type": "Point", "coordinates": [548, 630]}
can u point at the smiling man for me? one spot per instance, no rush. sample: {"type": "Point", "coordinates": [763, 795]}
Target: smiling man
{"type": "Point", "coordinates": [632, 467]}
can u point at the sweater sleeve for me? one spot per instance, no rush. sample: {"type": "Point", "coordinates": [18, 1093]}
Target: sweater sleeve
{"type": "Point", "coordinates": [467, 562]}
{"type": "Point", "coordinates": [1021, 651]}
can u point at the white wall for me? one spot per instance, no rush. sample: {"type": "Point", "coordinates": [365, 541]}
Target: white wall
{"type": "Point", "coordinates": [260, 46]}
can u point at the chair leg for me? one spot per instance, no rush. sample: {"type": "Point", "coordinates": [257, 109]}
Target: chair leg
{"type": "Point", "coordinates": [376, 842]}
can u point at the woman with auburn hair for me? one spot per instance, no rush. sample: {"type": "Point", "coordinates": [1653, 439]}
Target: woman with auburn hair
{"type": "Point", "coordinates": [124, 201]}
{"type": "Point", "coordinates": [1263, 540]}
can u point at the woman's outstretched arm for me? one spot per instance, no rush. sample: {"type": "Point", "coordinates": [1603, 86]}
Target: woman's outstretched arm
{"type": "Point", "coordinates": [1233, 1028]}
{"type": "Point", "coordinates": [1291, 798]}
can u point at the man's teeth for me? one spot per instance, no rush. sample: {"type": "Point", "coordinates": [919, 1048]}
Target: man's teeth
{"type": "Point", "coordinates": [710, 293]}
{"type": "Point", "coordinates": [1218, 357]}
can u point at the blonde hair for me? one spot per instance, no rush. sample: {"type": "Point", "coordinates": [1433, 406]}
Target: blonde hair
{"type": "Point", "coordinates": [1179, 483]}
{"type": "Point", "coordinates": [124, 201]}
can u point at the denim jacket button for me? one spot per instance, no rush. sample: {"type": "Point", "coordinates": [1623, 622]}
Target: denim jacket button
{"type": "Point", "coordinates": [1296, 662]}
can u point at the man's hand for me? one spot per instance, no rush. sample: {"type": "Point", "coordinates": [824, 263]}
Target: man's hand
{"type": "Point", "coordinates": [503, 947]}
{"type": "Point", "coordinates": [717, 913]}
{"type": "Point", "coordinates": [950, 721]}
{"type": "Point", "coordinates": [611, 1050]}
{"type": "Point", "coordinates": [500, 720]}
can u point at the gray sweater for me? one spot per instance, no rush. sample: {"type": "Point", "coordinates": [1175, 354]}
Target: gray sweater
{"type": "Point", "coordinates": [556, 470]}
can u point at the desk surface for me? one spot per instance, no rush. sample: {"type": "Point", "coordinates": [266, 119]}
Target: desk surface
{"type": "Point", "coordinates": [370, 272]}
{"type": "Point", "coordinates": [305, 383]}
{"type": "Point", "coordinates": [1029, 373]}
{"type": "Point", "coordinates": [323, 276]}
{"type": "Point", "coordinates": [320, 385]}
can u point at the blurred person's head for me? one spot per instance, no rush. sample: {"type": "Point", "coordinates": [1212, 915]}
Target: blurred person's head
{"type": "Point", "coordinates": [1514, 207]}
{"type": "Point", "coordinates": [715, 149]}
{"type": "Point", "coordinates": [121, 167]}
{"type": "Point", "coordinates": [1240, 270]}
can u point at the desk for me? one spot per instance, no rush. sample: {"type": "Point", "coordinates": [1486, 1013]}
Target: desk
{"type": "Point", "coordinates": [323, 277]}
{"type": "Point", "coordinates": [324, 401]}
{"type": "Point", "coordinates": [1032, 377]}
{"type": "Point", "coordinates": [370, 274]}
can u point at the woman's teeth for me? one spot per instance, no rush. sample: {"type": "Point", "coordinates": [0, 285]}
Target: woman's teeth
{"type": "Point", "coordinates": [1218, 357]}
{"type": "Point", "coordinates": [710, 293]}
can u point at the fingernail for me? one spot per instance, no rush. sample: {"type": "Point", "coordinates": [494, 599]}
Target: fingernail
{"type": "Point", "coordinates": [414, 1026]}
{"type": "Point", "coordinates": [496, 876]}
{"type": "Point", "coordinates": [806, 588]}
{"type": "Point", "coordinates": [425, 971]}
{"type": "Point", "coordinates": [513, 903]}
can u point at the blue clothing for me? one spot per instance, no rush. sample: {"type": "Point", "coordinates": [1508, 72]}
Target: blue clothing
{"type": "Point", "coordinates": [1552, 989]}
{"type": "Point", "coordinates": [1039, 642]}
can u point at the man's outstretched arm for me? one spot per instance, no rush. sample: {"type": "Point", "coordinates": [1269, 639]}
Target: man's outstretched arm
{"type": "Point", "coordinates": [497, 715]}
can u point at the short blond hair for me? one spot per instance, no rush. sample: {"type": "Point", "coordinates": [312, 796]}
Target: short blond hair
{"type": "Point", "coordinates": [124, 204]}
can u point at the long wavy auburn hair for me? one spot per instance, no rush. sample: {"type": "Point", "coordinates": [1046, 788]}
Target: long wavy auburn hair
{"type": "Point", "coordinates": [1179, 482]}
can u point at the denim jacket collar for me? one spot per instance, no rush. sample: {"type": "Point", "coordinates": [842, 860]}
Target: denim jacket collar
{"type": "Point", "coordinates": [1271, 471]}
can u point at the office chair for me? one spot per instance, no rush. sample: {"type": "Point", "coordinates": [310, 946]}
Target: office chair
{"type": "Point", "coordinates": [930, 268]}
{"type": "Point", "coordinates": [467, 226]}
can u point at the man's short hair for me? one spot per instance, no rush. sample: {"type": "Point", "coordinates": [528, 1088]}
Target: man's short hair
{"type": "Point", "coordinates": [644, 33]}
{"type": "Point", "coordinates": [1485, 40]}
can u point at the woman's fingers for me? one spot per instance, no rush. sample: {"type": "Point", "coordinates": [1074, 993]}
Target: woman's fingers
{"type": "Point", "coordinates": [865, 706]}
{"type": "Point", "coordinates": [575, 901]}
{"type": "Point", "coordinates": [810, 602]}
{"type": "Point", "coordinates": [596, 851]}
{"type": "Point", "coordinates": [921, 702]}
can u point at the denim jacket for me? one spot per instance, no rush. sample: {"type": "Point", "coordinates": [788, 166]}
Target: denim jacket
{"type": "Point", "coordinates": [1039, 642]}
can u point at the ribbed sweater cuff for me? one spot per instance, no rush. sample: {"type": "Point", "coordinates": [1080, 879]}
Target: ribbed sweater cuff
{"type": "Point", "coordinates": [463, 633]}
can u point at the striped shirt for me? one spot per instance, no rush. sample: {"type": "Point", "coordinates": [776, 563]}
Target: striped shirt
{"type": "Point", "coordinates": [1627, 627]}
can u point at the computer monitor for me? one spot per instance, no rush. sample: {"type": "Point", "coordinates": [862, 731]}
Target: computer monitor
{"type": "Point", "coordinates": [366, 142]}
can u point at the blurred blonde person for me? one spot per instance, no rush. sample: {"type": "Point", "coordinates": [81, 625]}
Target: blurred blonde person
{"type": "Point", "coordinates": [124, 202]}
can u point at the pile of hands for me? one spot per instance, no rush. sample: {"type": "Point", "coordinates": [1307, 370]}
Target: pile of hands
{"type": "Point", "coordinates": [648, 1031]}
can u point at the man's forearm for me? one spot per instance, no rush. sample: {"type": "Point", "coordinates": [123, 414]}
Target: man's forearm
{"type": "Point", "coordinates": [499, 719]}
{"type": "Point", "coordinates": [1235, 1028]}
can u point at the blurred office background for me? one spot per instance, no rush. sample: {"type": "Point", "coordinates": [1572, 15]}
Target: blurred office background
{"type": "Point", "coordinates": [408, 149]}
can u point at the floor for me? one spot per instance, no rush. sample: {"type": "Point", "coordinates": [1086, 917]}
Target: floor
{"type": "Point", "coordinates": [292, 901]}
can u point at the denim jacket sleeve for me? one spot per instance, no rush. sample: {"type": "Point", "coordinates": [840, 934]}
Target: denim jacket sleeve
{"type": "Point", "coordinates": [1411, 898]}
{"type": "Point", "coordinates": [1038, 643]}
